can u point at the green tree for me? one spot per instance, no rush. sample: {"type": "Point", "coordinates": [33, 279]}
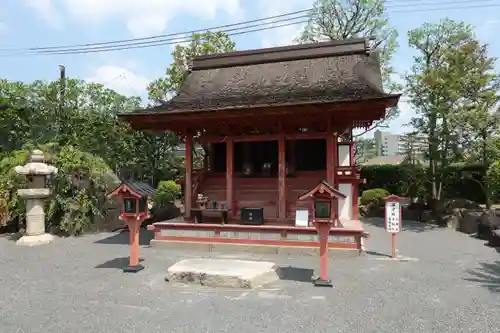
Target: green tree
{"type": "Point", "coordinates": [480, 97]}
{"type": "Point", "coordinates": [443, 87]}
{"type": "Point", "coordinates": [364, 150]}
{"type": "Point", "coordinates": [79, 129]}
{"type": "Point", "coordinates": [200, 44]}
{"type": "Point", "coordinates": [343, 19]}
{"type": "Point", "coordinates": [162, 89]}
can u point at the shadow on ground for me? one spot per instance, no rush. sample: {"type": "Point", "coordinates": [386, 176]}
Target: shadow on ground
{"type": "Point", "coordinates": [488, 275]}
{"type": "Point", "coordinates": [289, 273]}
{"type": "Point", "coordinates": [378, 254]}
{"type": "Point", "coordinates": [413, 226]}
{"type": "Point", "coordinates": [123, 238]}
{"type": "Point", "coordinates": [117, 263]}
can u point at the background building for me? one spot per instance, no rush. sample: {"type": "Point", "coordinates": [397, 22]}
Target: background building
{"type": "Point", "coordinates": [388, 144]}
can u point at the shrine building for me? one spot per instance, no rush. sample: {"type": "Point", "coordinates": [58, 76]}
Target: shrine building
{"type": "Point", "coordinates": [274, 123]}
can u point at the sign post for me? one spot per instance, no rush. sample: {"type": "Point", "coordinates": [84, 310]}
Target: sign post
{"type": "Point", "coordinates": [393, 219]}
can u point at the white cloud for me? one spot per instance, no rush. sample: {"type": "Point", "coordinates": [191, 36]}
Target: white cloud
{"type": "Point", "coordinates": [487, 31]}
{"type": "Point", "coordinates": [47, 10]}
{"type": "Point", "coordinates": [121, 79]}
{"type": "Point", "coordinates": [142, 18]}
{"type": "Point", "coordinates": [281, 36]}
{"type": "Point", "coordinates": [284, 35]}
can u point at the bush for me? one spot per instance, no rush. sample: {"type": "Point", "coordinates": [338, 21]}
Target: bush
{"type": "Point", "coordinates": [167, 192]}
{"type": "Point", "coordinates": [374, 196]}
{"type": "Point", "coordinates": [493, 180]}
{"type": "Point", "coordinates": [406, 180]}
{"type": "Point", "coordinates": [78, 189]}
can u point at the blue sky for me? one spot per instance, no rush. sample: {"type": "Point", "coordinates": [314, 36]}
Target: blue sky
{"type": "Point", "coordinates": [59, 22]}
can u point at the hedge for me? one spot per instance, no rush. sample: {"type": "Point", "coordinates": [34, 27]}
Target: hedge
{"type": "Point", "coordinates": [460, 181]}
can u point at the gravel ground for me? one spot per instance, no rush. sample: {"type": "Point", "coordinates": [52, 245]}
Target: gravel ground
{"type": "Point", "coordinates": [450, 283]}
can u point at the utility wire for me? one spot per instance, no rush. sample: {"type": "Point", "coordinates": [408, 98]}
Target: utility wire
{"type": "Point", "coordinates": [283, 17]}
{"type": "Point", "coordinates": [288, 19]}
{"type": "Point", "coordinates": [287, 16]}
{"type": "Point", "coordinates": [180, 39]}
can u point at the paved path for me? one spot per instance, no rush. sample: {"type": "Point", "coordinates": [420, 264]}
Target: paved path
{"type": "Point", "coordinates": [75, 285]}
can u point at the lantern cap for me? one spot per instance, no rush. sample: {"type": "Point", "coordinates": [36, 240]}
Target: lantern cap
{"type": "Point", "coordinates": [36, 166]}
{"type": "Point", "coordinates": [137, 189]}
{"type": "Point", "coordinates": [323, 188]}
{"type": "Point", "coordinates": [392, 197]}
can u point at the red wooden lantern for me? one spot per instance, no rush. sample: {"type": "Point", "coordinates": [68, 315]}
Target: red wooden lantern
{"type": "Point", "coordinates": [323, 204]}
{"type": "Point", "coordinates": [134, 198]}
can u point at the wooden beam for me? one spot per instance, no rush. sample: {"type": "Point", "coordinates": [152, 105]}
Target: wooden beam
{"type": "Point", "coordinates": [355, 194]}
{"type": "Point", "coordinates": [282, 177]}
{"type": "Point", "coordinates": [330, 152]}
{"type": "Point", "coordinates": [361, 110]}
{"type": "Point", "coordinates": [334, 178]}
{"type": "Point", "coordinates": [188, 185]}
{"type": "Point", "coordinates": [263, 137]}
{"type": "Point", "coordinates": [229, 175]}
{"type": "Point", "coordinates": [211, 157]}
{"type": "Point", "coordinates": [335, 159]}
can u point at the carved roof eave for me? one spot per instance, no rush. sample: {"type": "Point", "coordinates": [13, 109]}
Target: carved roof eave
{"type": "Point", "coordinates": [322, 188]}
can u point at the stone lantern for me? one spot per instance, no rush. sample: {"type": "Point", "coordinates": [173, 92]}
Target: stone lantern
{"type": "Point", "coordinates": [36, 172]}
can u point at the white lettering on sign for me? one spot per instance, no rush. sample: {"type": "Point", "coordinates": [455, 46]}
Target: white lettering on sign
{"type": "Point", "coordinates": [392, 216]}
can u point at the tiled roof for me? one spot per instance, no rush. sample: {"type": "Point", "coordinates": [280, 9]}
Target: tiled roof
{"type": "Point", "coordinates": [301, 74]}
{"type": "Point", "coordinates": [142, 188]}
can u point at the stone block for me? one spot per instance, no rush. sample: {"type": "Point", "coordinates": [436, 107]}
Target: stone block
{"type": "Point", "coordinates": [226, 273]}
{"type": "Point", "coordinates": [35, 240]}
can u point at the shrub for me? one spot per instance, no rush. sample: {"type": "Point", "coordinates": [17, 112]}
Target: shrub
{"type": "Point", "coordinates": [166, 192]}
{"type": "Point", "coordinates": [493, 180]}
{"type": "Point", "coordinates": [394, 178]}
{"type": "Point", "coordinates": [78, 189]}
{"type": "Point", "coordinates": [374, 196]}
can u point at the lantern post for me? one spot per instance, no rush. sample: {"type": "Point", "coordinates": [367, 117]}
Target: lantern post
{"type": "Point", "coordinates": [322, 200]}
{"type": "Point", "coordinates": [135, 210]}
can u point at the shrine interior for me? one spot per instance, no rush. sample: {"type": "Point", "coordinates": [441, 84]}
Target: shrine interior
{"type": "Point", "coordinates": [260, 159]}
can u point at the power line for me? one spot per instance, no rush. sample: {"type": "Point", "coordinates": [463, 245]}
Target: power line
{"type": "Point", "coordinates": [170, 41]}
{"type": "Point", "coordinates": [287, 19]}
{"type": "Point", "coordinates": [242, 25]}
{"type": "Point", "coordinates": [287, 15]}
{"type": "Point", "coordinates": [184, 38]}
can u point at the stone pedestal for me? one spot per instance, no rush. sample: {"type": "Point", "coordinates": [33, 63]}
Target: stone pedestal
{"type": "Point", "coordinates": [35, 240]}
{"type": "Point", "coordinates": [35, 217]}
{"type": "Point", "coordinates": [35, 171]}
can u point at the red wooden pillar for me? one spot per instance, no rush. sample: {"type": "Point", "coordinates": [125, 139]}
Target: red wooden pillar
{"type": "Point", "coordinates": [188, 178]}
{"type": "Point", "coordinates": [282, 177]}
{"type": "Point", "coordinates": [355, 185]}
{"type": "Point", "coordinates": [355, 208]}
{"type": "Point", "coordinates": [211, 156]}
{"type": "Point", "coordinates": [291, 154]}
{"type": "Point", "coordinates": [335, 160]}
{"type": "Point", "coordinates": [229, 174]}
{"type": "Point", "coordinates": [332, 157]}
{"type": "Point", "coordinates": [330, 152]}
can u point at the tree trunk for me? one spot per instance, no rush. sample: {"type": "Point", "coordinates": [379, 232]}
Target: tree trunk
{"type": "Point", "coordinates": [485, 163]}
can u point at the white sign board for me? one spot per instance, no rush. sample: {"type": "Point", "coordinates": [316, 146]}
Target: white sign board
{"type": "Point", "coordinates": [392, 216]}
{"type": "Point", "coordinates": [301, 218]}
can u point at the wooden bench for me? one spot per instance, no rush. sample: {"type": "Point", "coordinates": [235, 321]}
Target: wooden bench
{"type": "Point", "coordinates": [198, 213]}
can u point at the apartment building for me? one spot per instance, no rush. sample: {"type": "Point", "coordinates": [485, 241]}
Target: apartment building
{"type": "Point", "coordinates": [389, 144]}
